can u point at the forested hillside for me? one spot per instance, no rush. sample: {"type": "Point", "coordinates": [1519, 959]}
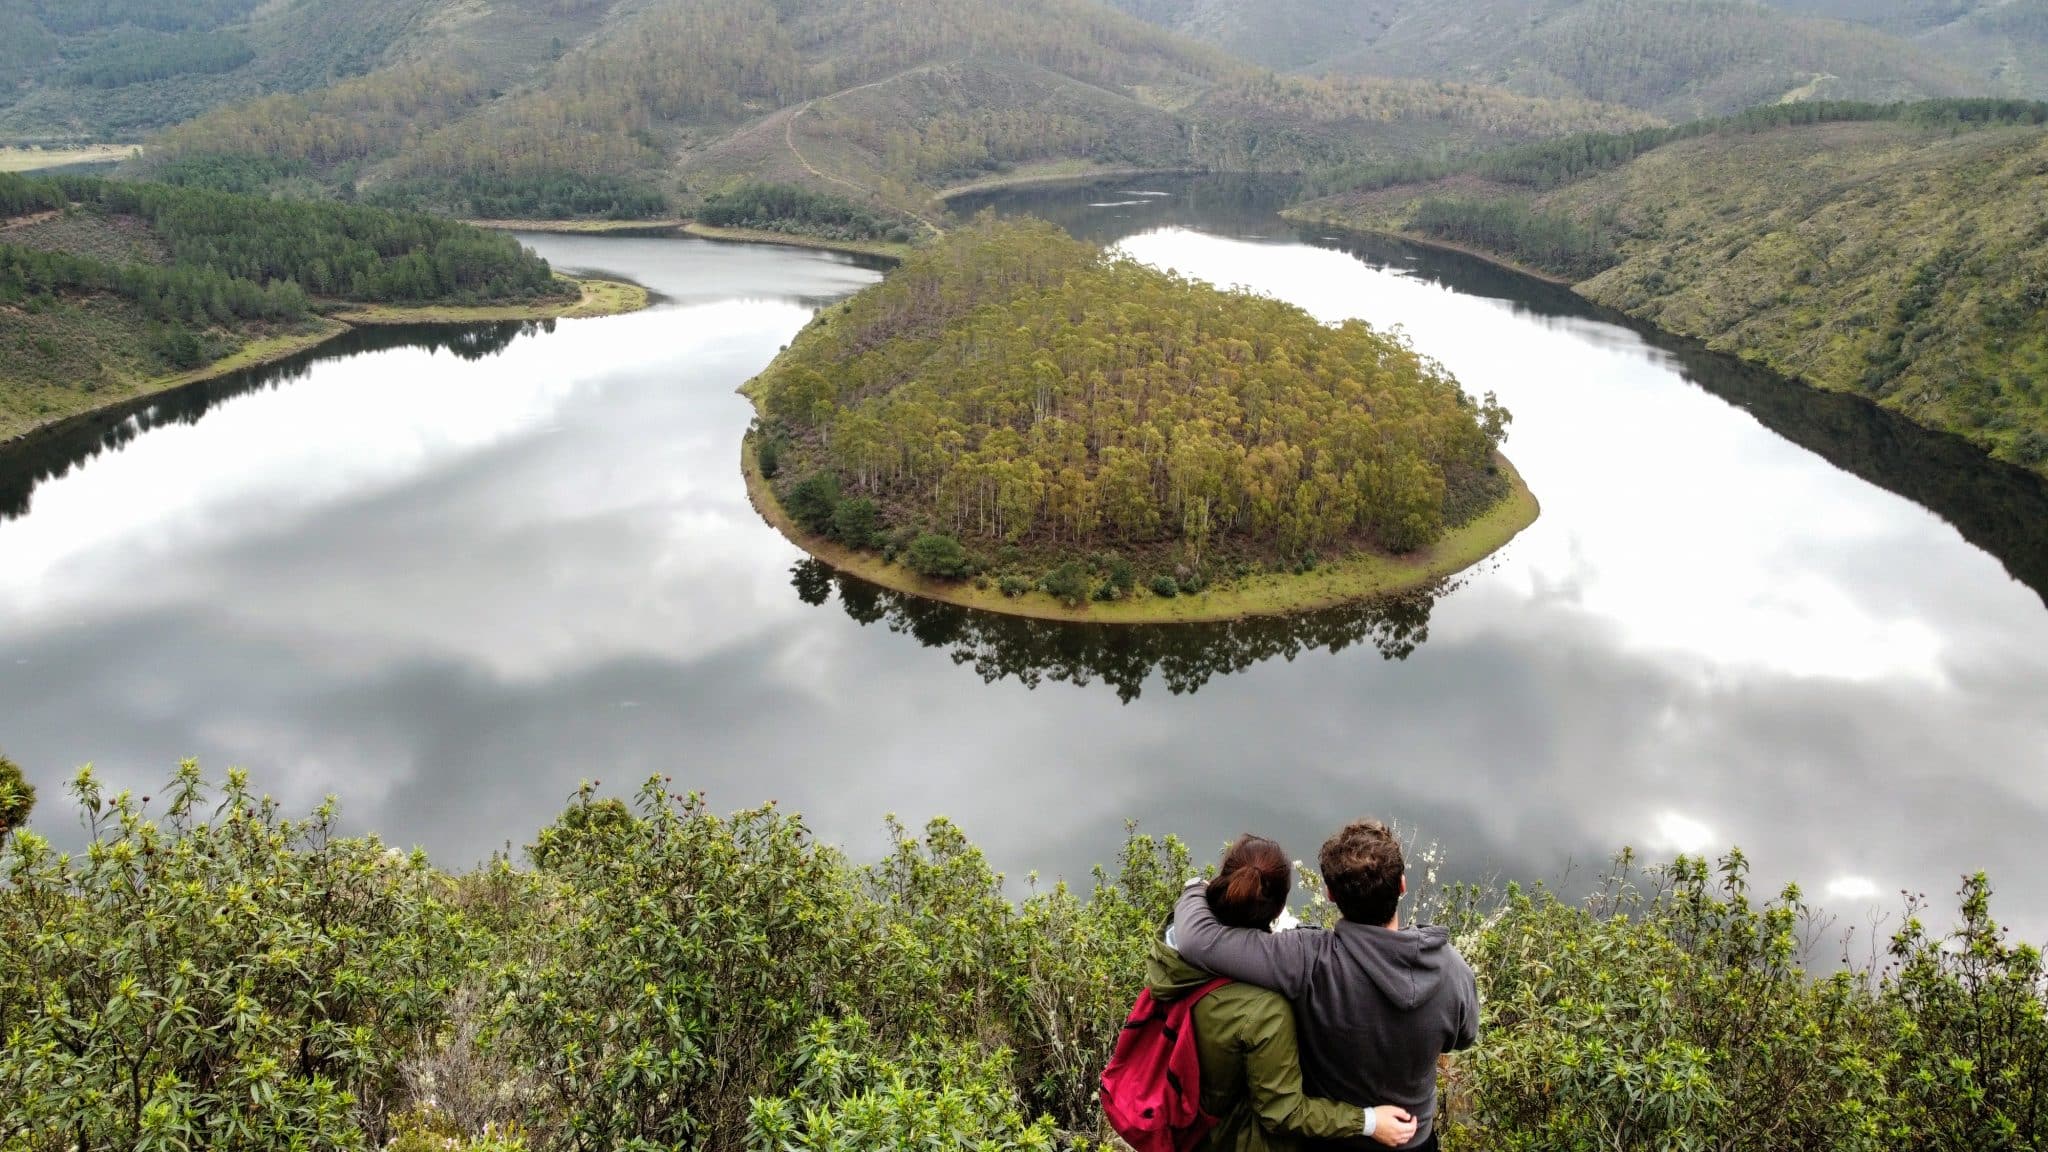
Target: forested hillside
{"type": "Point", "coordinates": [1897, 253]}
{"type": "Point", "coordinates": [2004, 40]}
{"type": "Point", "coordinates": [672, 101]}
{"type": "Point", "coordinates": [1010, 389]}
{"type": "Point", "coordinates": [84, 70]}
{"type": "Point", "coordinates": [107, 286]}
{"type": "Point", "coordinates": [1678, 58]}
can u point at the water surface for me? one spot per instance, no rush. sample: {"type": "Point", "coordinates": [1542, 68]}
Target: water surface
{"type": "Point", "coordinates": [448, 575]}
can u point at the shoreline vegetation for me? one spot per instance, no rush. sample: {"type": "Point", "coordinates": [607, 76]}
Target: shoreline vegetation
{"type": "Point", "coordinates": [877, 249]}
{"type": "Point", "coordinates": [250, 975]}
{"type": "Point", "coordinates": [890, 250]}
{"type": "Point", "coordinates": [1020, 422]}
{"type": "Point", "coordinates": [1334, 583]}
{"type": "Point", "coordinates": [1422, 240]}
{"type": "Point", "coordinates": [596, 297]}
{"type": "Point", "coordinates": [582, 227]}
{"type": "Point", "coordinates": [1066, 172]}
{"type": "Point", "coordinates": [114, 290]}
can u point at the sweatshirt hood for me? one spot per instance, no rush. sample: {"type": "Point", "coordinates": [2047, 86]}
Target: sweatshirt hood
{"type": "Point", "coordinates": [1407, 965]}
{"type": "Point", "coordinates": [1167, 975]}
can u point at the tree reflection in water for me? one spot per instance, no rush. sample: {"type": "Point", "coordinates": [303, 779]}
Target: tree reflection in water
{"type": "Point", "coordinates": [51, 453]}
{"type": "Point", "coordinates": [1121, 656]}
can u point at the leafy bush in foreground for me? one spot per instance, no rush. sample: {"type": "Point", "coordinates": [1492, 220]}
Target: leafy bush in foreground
{"type": "Point", "coordinates": [17, 797]}
{"type": "Point", "coordinates": [212, 973]}
{"type": "Point", "coordinates": [217, 975]}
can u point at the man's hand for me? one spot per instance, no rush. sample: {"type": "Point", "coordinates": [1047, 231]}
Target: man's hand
{"type": "Point", "coordinates": [1392, 1126]}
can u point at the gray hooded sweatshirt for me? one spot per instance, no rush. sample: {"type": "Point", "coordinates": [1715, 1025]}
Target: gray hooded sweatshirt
{"type": "Point", "coordinates": [1376, 1006]}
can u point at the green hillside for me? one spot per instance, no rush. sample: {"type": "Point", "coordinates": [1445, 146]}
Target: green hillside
{"type": "Point", "coordinates": [672, 101]}
{"type": "Point", "coordinates": [2006, 41]}
{"type": "Point", "coordinates": [1678, 58]}
{"type": "Point", "coordinates": [87, 70]}
{"type": "Point", "coordinates": [1900, 255]}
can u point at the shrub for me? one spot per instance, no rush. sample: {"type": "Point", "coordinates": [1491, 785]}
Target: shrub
{"type": "Point", "coordinates": [208, 973]}
{"type": "Point", "coordinates": [768, 454]}
{"type": "Point", "coordinates": [428, 1130]}
{"type": "Point", "coordinates": [1013, 585]}
{"type": "Point", "coordinates": [673, 967]}
{"type": "Point", "coordinates": [1972, 1031]}
{"type": "Point", "coordinates": [588, 827]}
{"type": "Point", "coordinates": [853, 1100]}
{"type": "Point", "coordinates": [17, 797]}
{"type": "Point", "coordinates": [240, 978]}
{"type": "Point", "coordinates": [1067, 584]}
{"type": "Point", "coordinates": [939, 557]}
{"type": "Point", "coordinates": [1165, 586]}
{"type": "Point", "coordinates": [178, 347]}
{"type": "Point", "coordinates": [1118, 579]}
{"type": "Point", "coordinates": [857, 522]}
{"type": "Point", "coordinates": [814, 500]}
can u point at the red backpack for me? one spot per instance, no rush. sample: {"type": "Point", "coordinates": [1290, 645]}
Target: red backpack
{"type": "Point", "coordinates": [1152, 1089]}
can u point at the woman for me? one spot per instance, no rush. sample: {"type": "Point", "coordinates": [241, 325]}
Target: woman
{"type": "Point", "coordinates": [1251, 1074]}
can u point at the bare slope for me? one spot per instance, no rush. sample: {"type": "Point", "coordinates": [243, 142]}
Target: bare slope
{"type": "Point", "coordinates": [672, 100]}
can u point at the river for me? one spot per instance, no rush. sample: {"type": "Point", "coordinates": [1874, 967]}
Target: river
{"type": "Point", "coordinates": [445, 574]}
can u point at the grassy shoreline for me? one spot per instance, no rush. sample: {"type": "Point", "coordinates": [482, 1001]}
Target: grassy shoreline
{"type": "Point", "coordinates": [1346, 581]}
{"type": "Point", "coordinates": [578, 227]}
{"type": "Point", "coordinates": [598, 298]}
{"type": "Point", "coordinates": [881, 249]}
{"type": "Point", "coordinates": [1335, 224]}
{"type": "Point", "coordinates": [1064, 173]}
{"type": "Point", "coordinates": [15, 159]}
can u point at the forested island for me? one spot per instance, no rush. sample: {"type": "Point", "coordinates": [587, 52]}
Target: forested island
{"type": "Point", "coordinates": [1893, 251]}
{"type": "Point", "coordinates": [1020, 421]}
{"type": "Point", "coordinates": [112, 289]}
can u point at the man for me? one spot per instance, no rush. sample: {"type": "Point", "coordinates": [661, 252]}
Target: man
{"type": "Point", "coordinates": [1376, 1003]}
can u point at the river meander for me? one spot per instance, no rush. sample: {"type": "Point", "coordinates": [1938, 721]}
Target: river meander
{"type": "Point", "coordinates": [447, 573]}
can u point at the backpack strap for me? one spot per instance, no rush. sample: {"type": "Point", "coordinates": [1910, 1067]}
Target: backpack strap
{"type": "Point", "coordinates": [1195, 997]}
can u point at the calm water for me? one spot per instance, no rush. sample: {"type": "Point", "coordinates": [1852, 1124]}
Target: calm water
{"type": "Point", "coordinates": [446, 574]}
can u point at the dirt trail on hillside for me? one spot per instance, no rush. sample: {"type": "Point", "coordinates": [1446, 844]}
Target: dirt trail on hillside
{"type": "Point", "coordinates": [789, 140]}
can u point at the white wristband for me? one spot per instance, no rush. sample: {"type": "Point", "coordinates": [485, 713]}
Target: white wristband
{"type": "Point", "coordinates": [1372, 1121]}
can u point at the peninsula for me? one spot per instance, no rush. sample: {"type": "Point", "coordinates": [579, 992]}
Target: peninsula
{"type": "Point", "coordinates": [111, 290]}
{"type": "Point", "coordinates": [1020, 422]}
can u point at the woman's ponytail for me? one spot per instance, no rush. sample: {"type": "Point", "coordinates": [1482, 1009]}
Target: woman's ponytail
{"type": "Point", "coordinates": [1251, 887]}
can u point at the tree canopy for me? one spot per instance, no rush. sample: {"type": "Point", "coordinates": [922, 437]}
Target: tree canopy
{"type": "Point", "coordinates": [1010, 385]}
{"type": "Point", "coordinates": [328, 249]}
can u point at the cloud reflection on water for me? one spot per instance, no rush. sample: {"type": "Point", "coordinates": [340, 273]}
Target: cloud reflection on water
{"type": "Point", "coordinates": [449, 589]}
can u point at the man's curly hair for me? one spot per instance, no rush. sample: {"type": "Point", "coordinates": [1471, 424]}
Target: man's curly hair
{"type": "Point", "coordinates": [1363, 867]}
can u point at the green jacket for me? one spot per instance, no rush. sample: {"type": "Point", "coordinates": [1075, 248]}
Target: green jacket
{"type": "Point", "coordinates": [1251, 1074]}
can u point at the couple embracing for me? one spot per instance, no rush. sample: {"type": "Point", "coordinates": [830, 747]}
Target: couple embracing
{"type": "Point", "coordinates": [1296, 1037]}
